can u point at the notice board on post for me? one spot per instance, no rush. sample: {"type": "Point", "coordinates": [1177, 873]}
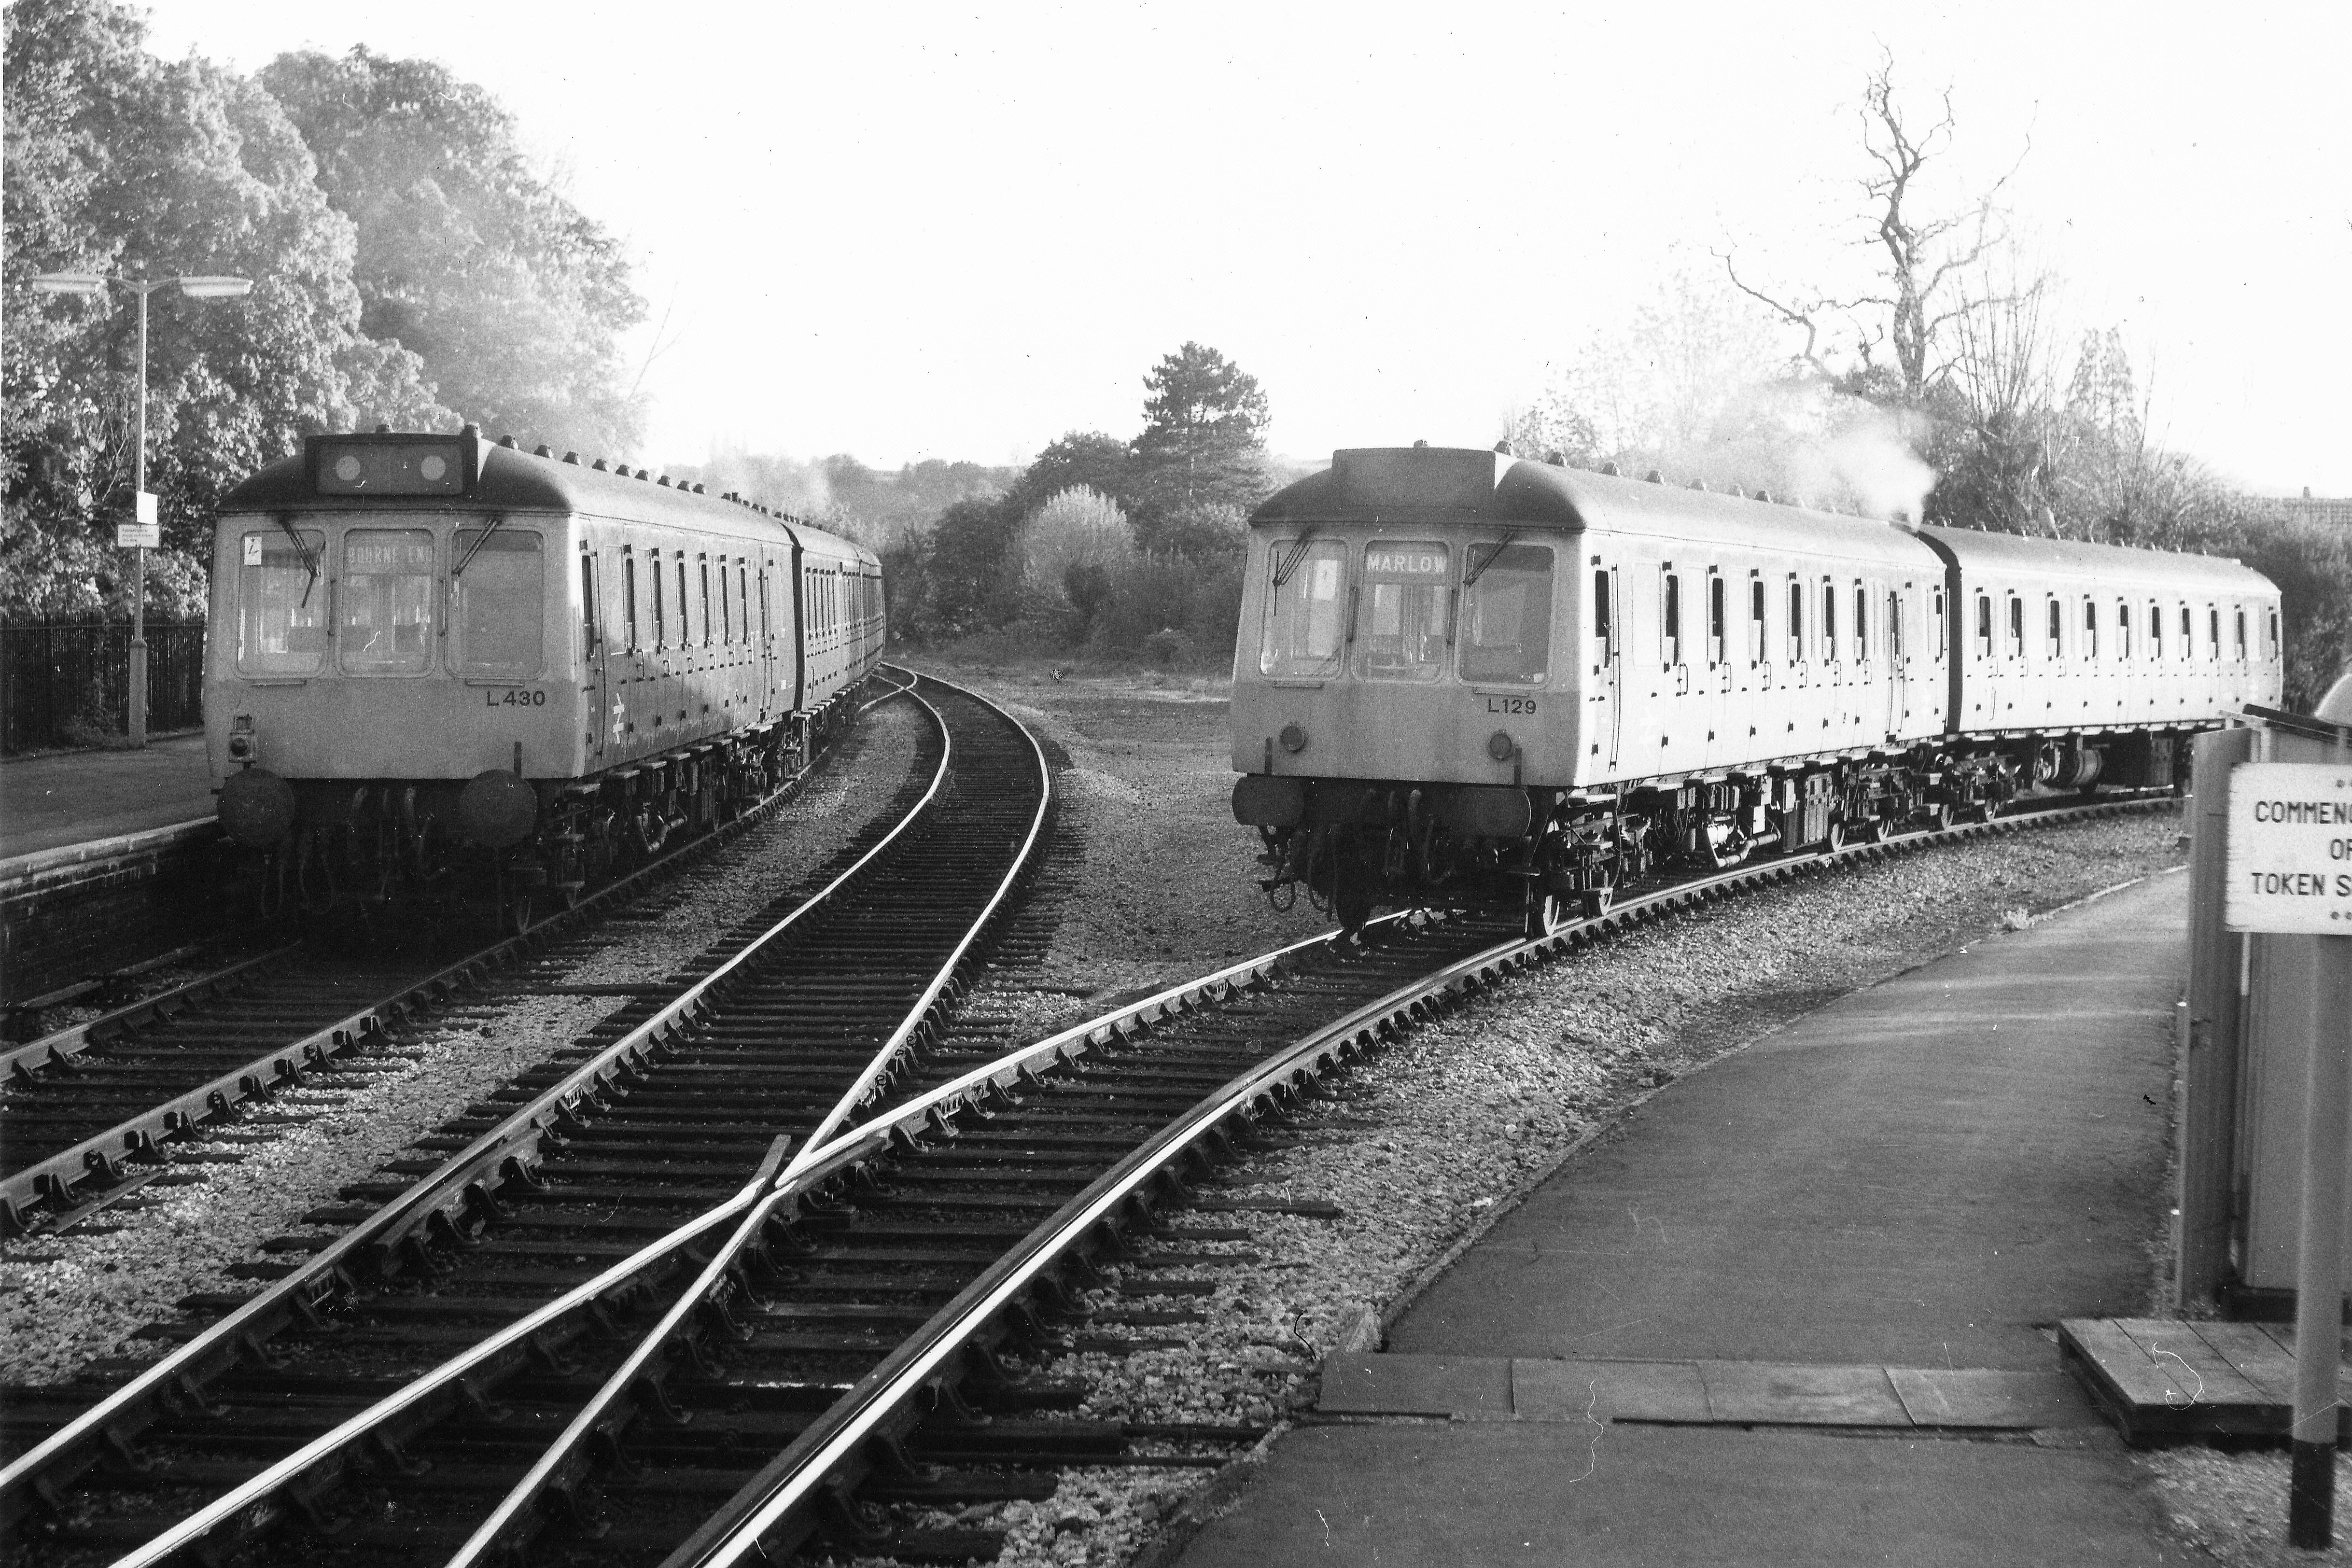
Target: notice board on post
{"type": "Point", "coordinates": [2290, 850]}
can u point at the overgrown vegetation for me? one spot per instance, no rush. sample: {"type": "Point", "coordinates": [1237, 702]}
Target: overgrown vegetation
{"type": "Point", "coordinates": [409, 266]}
{"type": "Point", "coordinates": [1126, 549]}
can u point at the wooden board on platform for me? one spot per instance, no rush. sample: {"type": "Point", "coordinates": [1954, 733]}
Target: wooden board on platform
{"type": "Point", "coordinates": [2159, 1377]}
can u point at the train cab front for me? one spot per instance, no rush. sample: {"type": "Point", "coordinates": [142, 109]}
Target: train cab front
{"type": "Point", "coordinates": [1405, 700]}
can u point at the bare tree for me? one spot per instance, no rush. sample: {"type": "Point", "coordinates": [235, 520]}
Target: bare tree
{"type": "Point", "coordinates": [1926, 257]}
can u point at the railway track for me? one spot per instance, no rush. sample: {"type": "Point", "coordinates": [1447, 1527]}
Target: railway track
{"type": "Point", "coordinates": [841, 1335]}
{"type": "Point", "coordinates": [671, 1102]}
{"type": "Point", "coordinates": [92, 1114]}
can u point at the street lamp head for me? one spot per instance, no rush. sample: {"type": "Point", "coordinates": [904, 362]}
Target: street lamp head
{"type": "Point", "coordinates": [68, 283]}
{"type": "Point", "coordinates": [215, 288]}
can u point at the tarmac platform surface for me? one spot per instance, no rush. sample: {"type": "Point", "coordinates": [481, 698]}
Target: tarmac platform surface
{"type": "Point", "coordinates": [73, 797]}
{"type": "Point", "coordinates": [1926, 1176]}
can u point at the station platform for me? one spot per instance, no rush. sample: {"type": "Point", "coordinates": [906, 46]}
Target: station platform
{"type": "Point", "coordinates": [1801, 1306]}
{"type": "Point", "coordinates": [77, 797]}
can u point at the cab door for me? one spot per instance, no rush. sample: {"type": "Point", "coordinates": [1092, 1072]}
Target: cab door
{"type": "Point", "coordinates": [1898, 666]}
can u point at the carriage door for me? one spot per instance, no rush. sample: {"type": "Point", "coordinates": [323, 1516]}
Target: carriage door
{"type": "Point", "coordinates": [1898, 666]}
{"type": "Point", "coordinates": [1607, 705]}
{"type": "Point", "coordinates": [596, 686]}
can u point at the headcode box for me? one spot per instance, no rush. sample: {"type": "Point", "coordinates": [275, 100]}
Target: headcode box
{"type": "Point", "coordinates": [2290, 848]}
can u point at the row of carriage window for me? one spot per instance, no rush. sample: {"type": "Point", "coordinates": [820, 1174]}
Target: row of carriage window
{"type": "Point", "coordinates": [1409, 616]}
{"type": "Point", "coordinates": [379, 611]}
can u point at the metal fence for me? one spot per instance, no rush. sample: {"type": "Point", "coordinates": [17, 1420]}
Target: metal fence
{"type": "Point", "coordinates": [71, 684]}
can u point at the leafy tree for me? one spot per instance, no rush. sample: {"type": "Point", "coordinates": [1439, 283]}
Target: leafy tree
{"type": "Point", "coordinates": [514, 300]}
{"type": "Point", "coordinates": [1203, 435]}
{"type": "Point", "coordinates": [121, 164]}
{"type": "Point", "coordinates": [1081, 458]}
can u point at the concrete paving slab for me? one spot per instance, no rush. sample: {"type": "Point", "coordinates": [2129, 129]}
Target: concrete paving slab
{"type": "Point", "coordinates": [2016, 1401]}
{"type": "Point", "coordinates": [1608, 1391]}
{"type": "Point", "coordinates": [1867, 1185]}
{"type": "Point", "coordinates": [1365, 1383]}
{"type": "Point", "coordinates": [48, 801]}
{"type": "Point", "coordinates": [1474, 1495]}
{"type": "Point", "coordinates": [1802, 1395]}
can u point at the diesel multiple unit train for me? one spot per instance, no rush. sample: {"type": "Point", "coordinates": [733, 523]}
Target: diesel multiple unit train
{"type": "Point", "coordinates": [1470, 680]}
{"type": "Point", "coordinates": [437, 666]}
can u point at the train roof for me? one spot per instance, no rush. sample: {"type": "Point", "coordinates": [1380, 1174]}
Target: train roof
{"type": "Point", "coordinates": [1404, 486]}
{"type": "Point", "coordinates": [2074, 560]}
{"type": "Point", "coordinates": [494, 475]}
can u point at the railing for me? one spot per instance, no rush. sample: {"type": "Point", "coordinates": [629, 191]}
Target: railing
{"type": "Point", "coordinates": [69, 685]}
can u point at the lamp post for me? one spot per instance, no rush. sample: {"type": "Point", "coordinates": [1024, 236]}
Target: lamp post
{"type": "Point", "coordinates": [145, 530]}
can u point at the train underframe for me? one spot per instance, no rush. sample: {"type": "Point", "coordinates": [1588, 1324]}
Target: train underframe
{"type": "Point", "coordinates": [419, 854]}
{"type": "Point", "coordinates": [1355, 846]}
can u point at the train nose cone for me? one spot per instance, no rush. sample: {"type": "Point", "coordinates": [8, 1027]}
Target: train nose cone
{"type": "Point", "coordinates": [257, 807]}
{"type": "Point", "coordinates": [496, 809]}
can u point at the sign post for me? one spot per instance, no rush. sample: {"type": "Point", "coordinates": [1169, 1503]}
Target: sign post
{"type": "Point", "coordinates": [2290, 872]}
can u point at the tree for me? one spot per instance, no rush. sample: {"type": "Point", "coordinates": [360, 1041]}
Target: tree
{"type": "Point", "coordinates": [121, 164]}
{"type": "Point", "coordinates": [1085, 458]}
{"type": "Point", "coordinates": [1927, 257]}
{"type": "Point", "coordinates": [514, 300]}
{"type": "Point", "coordinates": [1202, 439]}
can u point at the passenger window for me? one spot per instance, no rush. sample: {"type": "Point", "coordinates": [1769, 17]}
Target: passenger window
{"type": "Point", "coordinates": [702, 569]}
{"type": "Point", "coordinates": [1604, 627]}
{"type": "Point", "coordinates": [661, 619]}
{"type": "Point", "coordinates": [587, 606]}
{"type": "Point", "coordinates": [2054, 642]}
{"type": "Point", "coordinates": [2089, 629]}
{"type": "Point", "coordinates": [1406, 588]}
{"type": "Point", "coordinates": [1756, 643]}
{"type": "Point", "coordinates": [1984, 625]}
{"type": "Point", "coordinates": [744, 596]}
{"type": "Point", "coordinates": [2242, 634]}
{"type": "Point", "coordinates": [1302, 604]}
{"type": "Point", "coordinates": [1937, 609]}
{"type": "Point", "coordinates": [1894, 649]}
{"type": "Point", "coordinates": [1796, 622]}
{"type": "Point", "coordinates": [1670, 621]}
{"type": "Point", "coordinates": [2213, 633]}
{"type": "Point", "coordinates": [1506, 613]}
{"type": "Point", "coordinates": [2188, 635]}
{"type": "Point", "coordinates": [2155, 630]}
{"type": "Point", "coordinates": [497, 602]}
{"type": "Point", "coordinates": [685, 606]}
{"type": "Point", "coordinates": [1716, 617]}
{"type": "Point", "coordinates": [1861, 623]}
{"type": "Point", "coordinates": [386, 600]}
{"type": "Point", "coordinates": [2271, 640]}
{"type": "Point", "coordinates": [2122, 631]}
{"type": "Point", "coordinates": [629, 598]}
{"type": "Point", "coordinates": [2016, 629]}
{"type": "Point", "coordinates": [1829, 622]}
{"type": "Point", "coordinates": [281, 626]}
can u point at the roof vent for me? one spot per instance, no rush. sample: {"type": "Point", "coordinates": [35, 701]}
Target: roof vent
{"type": "Point", "coordinates": [1419, 446]}
{"type": "Point", "coordinates": [1503, 448]}
{"type": "Point", "coordinates": [1701, 485]}
{"type": "Point", "coordinates": [697, 490]}
{"type": "Point", "coordinates": [1655, 477]}
{"type": "Point", "coordinates": [382, 428]}
{"type": "Point", "coordinates": [644, 475]}
{"type": "Point", "coordinates": [508, 442]}
{"type": "Point", "coordinates": [1556, 459]}
{"type": "Point", "coordinates": [572, 458]}
{"type": "Point", "coordinates": [601, 466]}
{"type": "Point", "coordinates": [1764, 495]}
{"type": "Point", "coordinates": [541, 451]}
{"type": "Point", "coordinates": [1612, 471]}
{"type": "Point", "coordinates": [663, 481]}
{"type": "Point", "coordinates": [470, 430]}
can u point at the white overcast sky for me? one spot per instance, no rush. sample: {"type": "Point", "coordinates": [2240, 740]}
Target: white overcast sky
{"type": "Point", "coordinates": [903, 231]}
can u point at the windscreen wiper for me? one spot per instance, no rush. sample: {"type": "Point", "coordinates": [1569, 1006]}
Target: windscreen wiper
{"type": "Point", "coordinates": [1478, 568]}
{"type": "Point", "coordinates": [1288, 564]}
{"type": "Point", "coordinates": [475, 548]}
{"type": "Point", "coordinates": [309, 560]}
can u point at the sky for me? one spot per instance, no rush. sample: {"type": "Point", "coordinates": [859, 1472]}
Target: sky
{"type": "Point", "coordinates": [915, 231]}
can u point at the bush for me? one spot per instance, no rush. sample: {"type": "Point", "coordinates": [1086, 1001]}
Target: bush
{"type": "Point", "coordinates": [1169, 648]}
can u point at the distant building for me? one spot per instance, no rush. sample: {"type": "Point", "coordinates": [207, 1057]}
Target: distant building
{"type": "Point", "coordinates": [2309, 508]}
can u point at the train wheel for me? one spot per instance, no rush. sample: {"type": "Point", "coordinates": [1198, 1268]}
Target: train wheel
{"type": "Point", "coordinates": [1597, 901]}
{"type": "Point", "coordinates": [1836, 840]}
{"type": "Point", "coordinates": [1545, 915]}
{"type": "Point", "coordinates": [1351, 904]}
{"type": "Point", "coordinates": [518, 913]}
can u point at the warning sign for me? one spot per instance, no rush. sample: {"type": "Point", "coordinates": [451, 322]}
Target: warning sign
{"type": "Point", "coordinates": [2290, 860]}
